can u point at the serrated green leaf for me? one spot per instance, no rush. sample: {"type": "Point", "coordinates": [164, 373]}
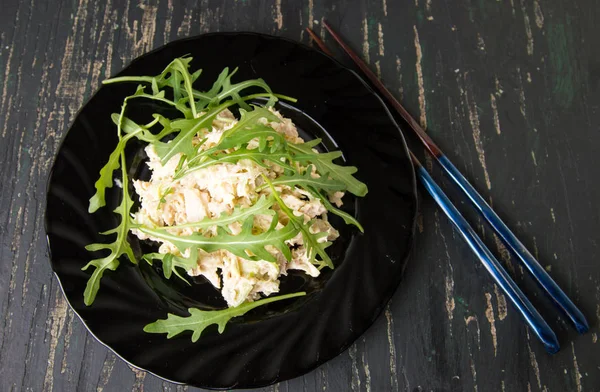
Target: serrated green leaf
{"type": "Point", "coordinates": [324, 163]}
{"type": "Point", "coordinates": [142, 132]}
{"type": "Point", "coordinates": [245, 244]}
{"type": "Point", "coordinates": [239, 214]}
{"type": "Point", "coordinates": [306, 181]}
{"type": "Point", "coordinates": [199, 320]}
{"type": "Point", "coordinates": [105, 180]}
{"type": "Point", "coordinates": [232, 91]}
{"type": "Point", "coordinates": [311, 241]}
{"type": "Point", "coordinates": [348, 219]}
{"type": "Point", "coordinates": [170, 262]}
{"type": "Point", "coordinates": [250, 127]}
{"type": "Point", "coordinates": [182, 143]}
{"type": "Point", "coordinates": [119, 247]}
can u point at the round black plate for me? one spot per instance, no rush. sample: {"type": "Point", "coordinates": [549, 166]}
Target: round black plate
{"type": "Point", "coordinates": [271, 343]}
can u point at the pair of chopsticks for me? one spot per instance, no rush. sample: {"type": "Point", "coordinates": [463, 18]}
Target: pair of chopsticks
{"type": "Point", "coordinates": [498, 273]}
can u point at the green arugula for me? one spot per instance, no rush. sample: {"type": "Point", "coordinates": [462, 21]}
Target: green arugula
{"type": "Point", "coordinates": [348, 219]}
{"type": "Point", "coordinates": [245, 245]}
{"type": "Point", "coordinates": [170, 262]}
{"type": "Point", "coordinates": [228, 90]}
{"type": "Point", "coordinates": [307, 181]}
{"type": "Point", "coordinates": [182, 143]}
{"type": "Point", "coordinates": [239, 214]}
{"type": "Point", "coordinates": [199, 320]}
{"type": "Point", "coordinates": [120, 246]}
{"type": "Point", "coordinates": [198, 111]}
{"type": "Point", "coordinates": [313, 247]}
{"type": "Point", "coordinates": [324, 162]}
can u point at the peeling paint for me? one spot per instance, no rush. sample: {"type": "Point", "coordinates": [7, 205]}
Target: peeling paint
{"type": "Point", "coordinates": [473, 319]}
{"type": "Point", "coordinates": [533, 361]}
{"type": "Point", "coordinates": [495, 114]}
{"type": "Point", "coordinates": [474, 120]}
{"type": "Point", "coordinates": [522, 106]}
{"type": "Point", "coordinates": [186, 25]}
{"type": "Point", "coordinates": [278, 15]}
{"type": "Point", "coordinates": [107, 368]}
{"type": "Point", "coordinates": [68, 334]}
{"type": "Point", "coordinates": [365, 365]}
{"type": "Point", "coordinates": [365, 44]}
{"type": "Point", "coordinates": [355, 384]}
{"type": "Point", "coordinates": [56, 319]}
{"type": "Point", "coordinates": [140, 375]}
{"type": "Point", "coordinates": [450, 304]}
{"type": "Point", "coordinates": [474, 374]}
{"type": "Point", "coordinates": [380, 39]}
{"type": "Point", "coordinates": [577, 374]}
{"type": "Point", "coordinates": [392, 346]}
{"type": "Point", "coordinates": [539, 15]}
{"type": "Point", "coordinates": [501, 301]}
{"type": "Point", "coordinates": [399, 75]}
{"type": "Point", "coordinates": [528, 32]}
{"type": "Point", "coordinates": [489, 314]}
{"type": "Point", "coordinates": [422, 104]}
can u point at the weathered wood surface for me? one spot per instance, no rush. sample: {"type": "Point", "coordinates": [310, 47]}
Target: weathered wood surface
{"type": "Point", "coordinates": [511, 91]}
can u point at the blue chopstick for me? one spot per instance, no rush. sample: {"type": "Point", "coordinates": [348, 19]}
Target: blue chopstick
{"type": "Point", "coordinates": [500, 276]}
{"type": "Point", "coordinates": [539, 273]}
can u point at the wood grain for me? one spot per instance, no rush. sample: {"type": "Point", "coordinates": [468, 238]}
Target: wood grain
{"type": "Point", "coordinates": [510, 90]}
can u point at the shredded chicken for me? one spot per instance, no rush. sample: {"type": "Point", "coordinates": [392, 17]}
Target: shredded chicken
{"type": "Point", "coordinates": [219, 189]}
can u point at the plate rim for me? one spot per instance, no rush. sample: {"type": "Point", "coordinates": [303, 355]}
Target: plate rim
{"type": "Point", "coordinates": [386, 297]}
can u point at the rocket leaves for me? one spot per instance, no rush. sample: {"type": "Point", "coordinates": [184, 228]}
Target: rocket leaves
{"type": "Point", "coordinates": [324, 163]}
{"type": "Point", "coordinates": [252, 137]}
{"type": "Point", "coordinates": [246, 244]}
{"type": "Point", "coordinates": [199, 320]}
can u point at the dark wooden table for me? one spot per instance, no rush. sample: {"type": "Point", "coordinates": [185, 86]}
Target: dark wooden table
{"type": "Point", "coordinates": [510, 89]}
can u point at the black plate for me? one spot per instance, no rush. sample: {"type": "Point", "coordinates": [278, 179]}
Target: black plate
{"type": "Point", "coordinates": [279, 341]}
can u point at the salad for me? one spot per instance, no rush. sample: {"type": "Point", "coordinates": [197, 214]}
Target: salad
{"type": "Point", "coordinates": [235, 194]}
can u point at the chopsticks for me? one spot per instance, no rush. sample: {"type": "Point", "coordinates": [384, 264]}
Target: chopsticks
{"type": "Point", "coordinates": [533, 318]}
{"type": "Point", "coordinates": [541, 329]}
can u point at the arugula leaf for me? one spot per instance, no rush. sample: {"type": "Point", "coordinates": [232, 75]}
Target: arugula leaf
{"type": "Point", "coordinates": [120, 246]}
{"type": "Point", "coordinates": [173, 76]}
{"type": "Point", "coordinates": [307, 181]}
{"type": "Point", "coordinates": [250, 127]}
{"type": "Point", "coordinates": [181, 66]}
{"type": "Point", "coordinates": [232, 91]}
{"type": "Point", "coordinates": [182, 143]}
{"type": "Point", "coordinates": [254, 155]}
{"type": "Point", "coordinates": [260, 132]}
{"type": "Point", "coordinates": [247, 128]}
{"type": "Point", "coordinates": [348, 219]}
{"type": "Point", "coordinates": [169, 262]}
{"type": "Point", "coordinates": [199, 320]}
{"type": "Point", "coordinates": [131, 129]}
{"type": "Point", "coordinates": [246, 244]}
{"type": "Point", "coordinates": [142, 132]}
{"type": "Point", "coordinates": [160, 97]}
{"type": "Point", "coordinates": [106, 173]}
{"type": "Point", "coordinates": [105, 180]}
{"type": "Point", "coordinates": [324, 163]}
{"type": "Point", "coordinates": [239, 214]}
{"type": "Point", "coordinates": [205, 99]}
{"type": "Point", "coordinates": [311, 241]}
{"type": "Point", "coordinates": [258, 157]}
